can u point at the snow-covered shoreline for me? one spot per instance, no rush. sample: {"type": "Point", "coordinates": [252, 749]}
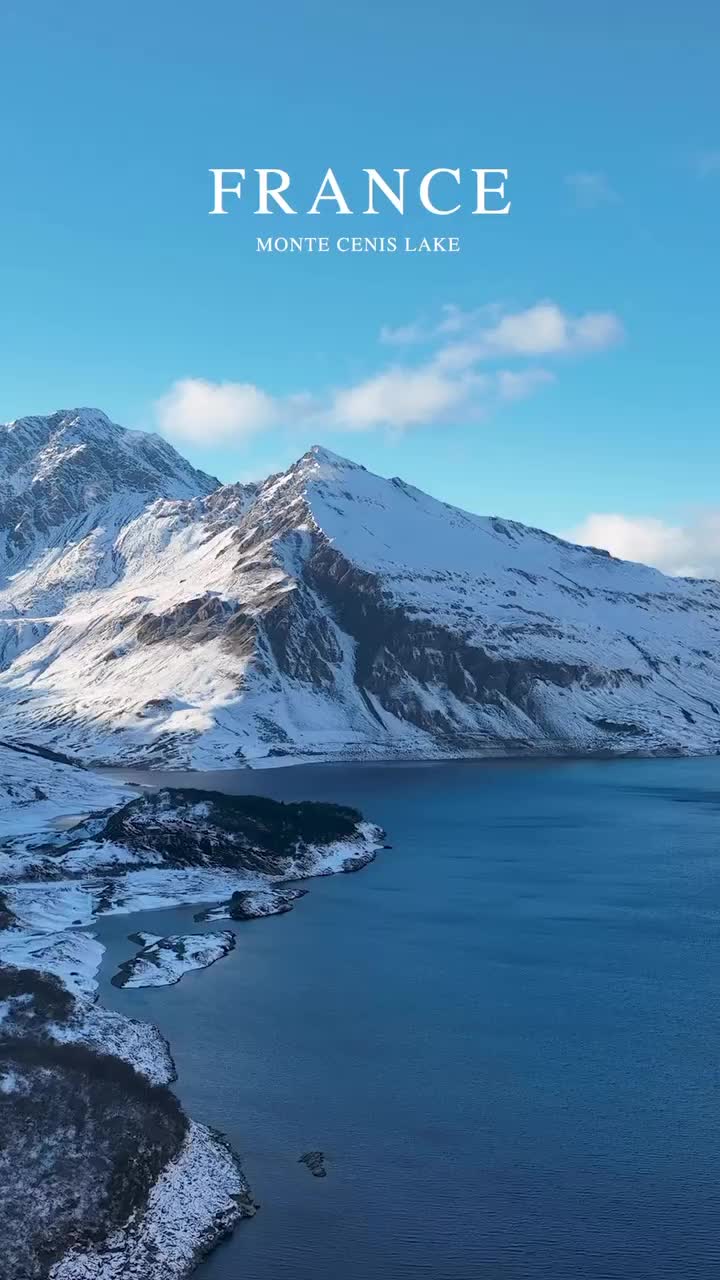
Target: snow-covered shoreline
{"type": "Point", "coordinates": [53, 918]}
{"type": "Point", "coordinates": [201, 1193]}
{"type": "Point", "coordinates": [198, 1199]}
{"type": "Point", "coordinates": [136, 774]}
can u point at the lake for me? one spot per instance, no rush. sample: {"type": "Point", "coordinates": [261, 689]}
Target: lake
{"type": "Point", "coordinates": [504, 1034]}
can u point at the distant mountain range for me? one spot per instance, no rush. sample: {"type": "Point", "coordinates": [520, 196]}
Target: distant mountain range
{"type": "Point", "coordinates": [150, 614]}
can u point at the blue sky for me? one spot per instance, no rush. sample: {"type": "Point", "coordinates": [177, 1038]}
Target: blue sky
{"type": "Point", "coordinates": [117, 286]}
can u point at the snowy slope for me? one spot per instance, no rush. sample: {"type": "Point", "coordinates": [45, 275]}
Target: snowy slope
{"type": "Point", "coordinates": [68, 484]}
{"type": "Point", "coordinates": [331, 613]}
{"type": "Point", "coordinates": [37, 793]}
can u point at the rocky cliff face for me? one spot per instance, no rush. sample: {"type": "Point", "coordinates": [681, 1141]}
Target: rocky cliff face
{"type": "Point", "coordinates": [331, 613]}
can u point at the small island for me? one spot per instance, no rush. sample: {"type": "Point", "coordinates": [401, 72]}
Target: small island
{"type": "Point", "coordinates": [162, 961]}
{"type": "Point", "coordinates": [253, 904]}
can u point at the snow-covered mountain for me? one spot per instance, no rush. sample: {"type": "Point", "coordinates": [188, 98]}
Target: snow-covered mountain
{"type": "Point", "coordinates": [68, 483]}
{"type": "Point", "coordinates": [148, 614]}
{"type": "Point", "coordinates": [56, 468]}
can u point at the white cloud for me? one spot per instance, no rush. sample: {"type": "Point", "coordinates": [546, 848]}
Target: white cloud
{"type": "Point", "coordinates": [690, 549]}
{"type": "Point", "coordinates": [201, 412]}
{"type": "Point", "coordinates": [453, 320]}
{"type": "Point", "coordinates": [517, 385]}
{"type": "Point", "coordinates": [546, 329]}
{"type": "Point", "coordinates": [458, 356]}
{"type": "Point", "coordinates": [400, 397]}
{"type": "Point", "coordinates": [460, 375]}
{"type": "Point", "coordinates": [591, 189]}
{"type": "Point", "coordinates": [405, 335]}
{"type": "Point", "coordinates": [535, 332]}
{"type": "Point", "coordinates": [595, 331]}
{"type": "Point", "coordinates": [541, 330]}
{"type": "Point", "coordinates": [406, 396]}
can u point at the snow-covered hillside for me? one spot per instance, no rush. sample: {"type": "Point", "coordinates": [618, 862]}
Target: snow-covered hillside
{"type": "Point", "coordinates": [38, 793]}
{"type": "Point", "coordinates": [68, 483]}
{"type": "Point", "coordinates": [326, 612]}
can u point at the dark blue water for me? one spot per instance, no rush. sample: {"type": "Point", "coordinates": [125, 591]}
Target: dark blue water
{"type": "Point", "coordinates": [505, 1034]}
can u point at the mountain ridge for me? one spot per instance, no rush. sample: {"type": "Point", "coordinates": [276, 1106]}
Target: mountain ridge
{"type": "Point", "coordinates": [61, 467]}
{"type": "Point", "coordinates": [330, 613]}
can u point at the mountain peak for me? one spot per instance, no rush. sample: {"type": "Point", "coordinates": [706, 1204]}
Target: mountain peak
{"type": "Point", "coordinates": [41, 442]}
{"type": "Point", "coordinates": [323, 454]}
{"type": "Point", "coordinates": [318, 455]}
{"type": "Point", "coordinates": [83, 419]}
{"type": "Point", "coordinates": [71, 464]}
{"type": "Point", "coordinates": [84, 416]}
